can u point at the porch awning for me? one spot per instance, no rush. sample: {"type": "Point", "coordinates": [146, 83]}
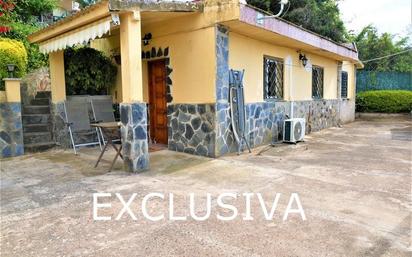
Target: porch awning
{"type": "Point", "coordinates": [78, 36]}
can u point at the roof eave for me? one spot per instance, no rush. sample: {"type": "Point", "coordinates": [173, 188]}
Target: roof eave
{"type": "Point", "coordinates": [151, 5]}
{"type": "Point", "coordinates": [249, 15]}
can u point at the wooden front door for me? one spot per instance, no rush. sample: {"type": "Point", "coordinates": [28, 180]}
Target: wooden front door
{"type": "Point", "coordinates": [158, 102]}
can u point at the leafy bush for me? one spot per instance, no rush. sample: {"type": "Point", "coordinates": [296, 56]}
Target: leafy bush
{"type": "Point", "coordinates": [18, 19]}
{"type": "Point", "coordinates": [387, 101]}
{"type": "Point", "coordinates": [88, 71]}
{"type": "Point", "coordinates": [20, 31]}
{"type": "Point", "coordinates": [12, 52]}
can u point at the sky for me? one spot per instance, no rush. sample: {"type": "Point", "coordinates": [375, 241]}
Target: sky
{"type": "Point", "coordinates": [393, 16]}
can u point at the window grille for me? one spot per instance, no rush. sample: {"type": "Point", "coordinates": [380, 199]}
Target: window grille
{"type": "Point", "coordinates": [317, 82]}
{"type": "Point", "coordinates": [273, 78]}
{"type": "Point", "coordinates": [344, 85]}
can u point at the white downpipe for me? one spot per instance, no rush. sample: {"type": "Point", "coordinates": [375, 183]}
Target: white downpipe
{"type": "Point", "coordinates": [289, 63]}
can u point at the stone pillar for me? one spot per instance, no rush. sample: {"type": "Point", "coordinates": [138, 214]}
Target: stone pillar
{"type": "Point", "coordinates": [133, 110]}
{"type": "Point", "coordinates": [11, 129]}
{"type": "Point", "coordinates": [134, 136]}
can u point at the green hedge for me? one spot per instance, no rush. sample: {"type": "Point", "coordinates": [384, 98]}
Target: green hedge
{"type": "Point", "coordinates": [88, 72]}
{"type": "Point", "coordinates": [386, 101]}
{"type": "Point", "coordinates": [12, 52]}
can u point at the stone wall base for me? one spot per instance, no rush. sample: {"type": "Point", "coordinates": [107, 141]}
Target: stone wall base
{"type": "Point", "coordinates": [191, 128]}
{"type": "Point", "coordinates": [264, 121]}
{"type": "Point", "coordinates": [11, 130]}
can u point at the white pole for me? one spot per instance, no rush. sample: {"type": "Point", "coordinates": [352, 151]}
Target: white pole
{"type": "Point", "coordinates": [289, 63]}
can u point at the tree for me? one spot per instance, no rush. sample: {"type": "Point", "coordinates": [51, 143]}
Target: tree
{"type": "Point", "coordinates": [28, 10]}
{"type": "Point", "coordinates": [320, 16]}
{"type": "Point", "coordinates": [373, 45]}
{"type": "Point", "coordinates": [22, 20]}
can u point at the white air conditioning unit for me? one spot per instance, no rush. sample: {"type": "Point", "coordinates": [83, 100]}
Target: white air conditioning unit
{"type": "Point", "coordinates": [294, 130]}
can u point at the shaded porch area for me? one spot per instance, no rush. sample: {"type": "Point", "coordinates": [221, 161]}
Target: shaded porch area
{"type": "Point", "coordinates": [124, 25]}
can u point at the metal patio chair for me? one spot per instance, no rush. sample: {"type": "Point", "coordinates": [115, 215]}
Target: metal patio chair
{"type": "Point", "coordinates": [78, 121]}
{"type": "Point", "coordinates": [102, 108]}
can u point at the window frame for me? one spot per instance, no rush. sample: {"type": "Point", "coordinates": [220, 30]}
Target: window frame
{"type": "Point", "coordinates": [277, 61]}
{"type": "Point", "coordinates": [344, 73]}
{"type": "Point", "coordinates": [322, 89]}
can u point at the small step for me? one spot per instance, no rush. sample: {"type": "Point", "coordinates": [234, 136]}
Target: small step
{"type": "Point", "coordinates": [27, 128]}
{"type": "Point", "coordinates": [36, 109]}
{"type": "Point", "coordinates": [36, 137]}
{"type": "Point", "coordinates": [38, 147]}
{"type": "Point", "coordinates": [40, 101]}
{"type": "Point", "coordinates": [35, 119]}
{"type": "Point", "coordinates": [43, 94]}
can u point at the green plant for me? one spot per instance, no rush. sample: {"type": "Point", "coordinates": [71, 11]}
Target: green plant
{"type": "Point", "coordinates": [12, 52]}
{"type": "Point", "coordinates": [387, 101]}
{"type": "Point", "coordinates": [371, 44]}
{"type": "Point", "coordinates": [88, 71]}
{"type": "Point", "coordinates": [320, 16]}
{"type": "Point", "coordinates": [20, 18]}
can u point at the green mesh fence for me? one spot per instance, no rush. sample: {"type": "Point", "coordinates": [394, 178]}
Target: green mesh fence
{"type": "Point", "coordinates": [372, 80]}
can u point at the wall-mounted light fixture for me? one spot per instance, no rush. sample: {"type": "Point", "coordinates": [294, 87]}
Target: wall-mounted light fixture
{"type": "Point", "coordinates": [115, 19]}
{"type": "Point", "coordinates": [146, 39]}
{"type": "Point", "coordinates": [10, 69]}
{"type": "Point", "coordinates": [303, 59]}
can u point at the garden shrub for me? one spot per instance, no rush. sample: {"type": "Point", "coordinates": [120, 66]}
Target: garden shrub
{"type": "Point", "coordinates": [386, 101]}
{"type": "Point", "coordinates": [12, 52]}
{"type": "Point", "coordinates": [88, 71]}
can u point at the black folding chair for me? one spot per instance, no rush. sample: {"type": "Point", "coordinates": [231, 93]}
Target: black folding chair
{"type": "Point", "coordinates": [78, 121]}
{"type": "Point", "coordinates": [102, 108]}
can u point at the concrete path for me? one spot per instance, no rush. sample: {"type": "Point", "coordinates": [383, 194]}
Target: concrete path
{"type": "Point", "coordinates": [354, 184]}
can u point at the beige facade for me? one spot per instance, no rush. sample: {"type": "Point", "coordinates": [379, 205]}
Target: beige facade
{"type": "Point", "coordinates": [174, 88]}
{"type": "Point", "coordinates": [190, 38]}
{"type": "Point", "coordinates": [248, 53]}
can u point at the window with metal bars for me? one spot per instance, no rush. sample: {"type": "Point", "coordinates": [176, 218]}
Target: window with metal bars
{"type": "Point", "coordinates": [273, 78]}
{"type": "Point", "coordinates": [344, 85]}
{"type": "Point", "coordinates": [317, 82]}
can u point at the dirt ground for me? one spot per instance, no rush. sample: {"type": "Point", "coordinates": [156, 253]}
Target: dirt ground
{"type": "Point", "coordinates": [354, 184]}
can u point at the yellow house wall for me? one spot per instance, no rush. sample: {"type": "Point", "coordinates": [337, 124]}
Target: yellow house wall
{"type": "Point", "coordinates": [247, 53]}
{"type": "Point", "coordinates": [192, 58]}
{"type": "Point", "coordinates": [57, 76]}
{"type": "Point", "coordinates": [350, 68]}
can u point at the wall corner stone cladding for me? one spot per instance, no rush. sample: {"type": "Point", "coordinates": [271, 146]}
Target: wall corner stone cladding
{"type": "Point", "coordinates": [11, 130]}
{"type": "Point", "coordinates": [225, 141]}
{"type": "Point", "coordinates": [133, 117]}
